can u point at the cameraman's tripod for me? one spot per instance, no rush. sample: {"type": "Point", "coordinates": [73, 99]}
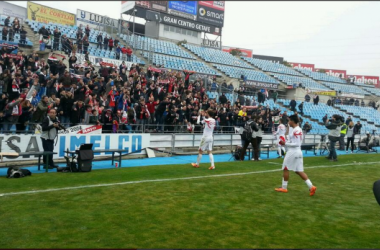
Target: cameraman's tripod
{"type": "Point", "coordinates": [323, 145]}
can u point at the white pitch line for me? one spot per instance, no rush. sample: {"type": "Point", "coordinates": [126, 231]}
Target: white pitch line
{"type": "Point", "coordinates": [173, 179]}
{"type": "Point", "coordinates": [274, 163]}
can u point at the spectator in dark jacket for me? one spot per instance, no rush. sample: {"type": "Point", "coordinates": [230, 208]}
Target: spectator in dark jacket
{"type": "Point", "coordinates": [4, 34]}
{"type": "Point", "coordinates": [357, 128]}
{"type": "Point", "coordinates": [316, 99]}
{"type": "Point", "coordinates": [77, 112]}
{"type": "Point", "coordinates": [23, 35]}
{"type": "Point", "coordinates": [7, 21]}
{"type": "Point", "coordinates": [105, 41]}
{"type": "Point", "coordinates": [293, 105]}
{"type": "Point", "coordinates": [99, 40]}
{"type": "Point", "coordinates": [87, 30]}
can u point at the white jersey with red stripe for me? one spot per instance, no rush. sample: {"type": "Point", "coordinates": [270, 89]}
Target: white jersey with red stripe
{"type": "Point", "coordinates": [294, 141]}
{"type": "Point", "coordinates": [280, 134]}
{"type": "Point", "coordinates": [209, 125]}
{"type": "Point", "coordinates": [281, 130]}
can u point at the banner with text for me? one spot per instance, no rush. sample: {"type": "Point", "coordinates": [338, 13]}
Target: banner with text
{"type": "Point", "coordinates": [306, 66]}
{"type": "Point", "coordinates": [263, 85]}
{"type": "Point", "coordinates": [185, 9]}
{"type": "Point", "coordinates": [335, 72]}
{"type": "Point", "coordinates": [329, 93]}
{"type": "Point", "coordinates": [44, 14]}
{"type": "Point", "coordinates": [94, 20]}
{"type": "Point", "coordinates": [79, 129]}
{"type": "Point", "coordinates": [33, 143]}
{"type": "Point", "coordinates": [371, 80]}
{"type": "Point", "coordinates": [211, 12]}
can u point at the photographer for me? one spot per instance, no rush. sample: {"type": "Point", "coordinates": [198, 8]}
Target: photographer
{"type": "Point", "coordinates": [334, 125]}
{"type": "Point", "coordinates": [249, 136]}
{"type": "Point", "coordinates": [50, 127]}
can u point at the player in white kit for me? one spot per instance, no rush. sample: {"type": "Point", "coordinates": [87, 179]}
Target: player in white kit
{"type": "Point", "coordinates": [280, 136]}
{"type": "Point", "coordinates": [294, 159]}
{"type": "Point", "coordinates": [207, 139]}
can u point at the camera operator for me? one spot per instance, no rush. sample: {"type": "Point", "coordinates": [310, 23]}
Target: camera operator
{"type": "Point", "coordinates": [50, 127]}
{"type": "Point", "coordinates": [334, 125]}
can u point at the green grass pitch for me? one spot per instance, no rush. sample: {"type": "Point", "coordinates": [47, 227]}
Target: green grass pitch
{"type": "Point", "coordinates": [234, 206]}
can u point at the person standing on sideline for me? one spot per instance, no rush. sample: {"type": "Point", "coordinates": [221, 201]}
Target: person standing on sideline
{"type": "Point", "coordinates": [249, 136]}
{"type": "Point", "coordinates": [343, 132]}
{"type": "Point", "coordinates": [50, 127]}
{"type": "Point", "coordinates": [207, 138]}
{"type": "Point", "coordinates": [280, 135]}
{"type": "Point", "coordinates": [294, 159]}
{"type": "Point", "coordinates": [350, 136]}
{"type": "Point", "coordinates": [334, 126]}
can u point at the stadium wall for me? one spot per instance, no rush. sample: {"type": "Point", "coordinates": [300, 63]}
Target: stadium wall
{"type": "Point", "coordinates": [12, 10]}
{"type": "Point", "coordinates": [130, 142]}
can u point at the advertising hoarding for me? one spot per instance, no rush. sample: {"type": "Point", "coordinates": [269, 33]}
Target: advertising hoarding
{"type": "Point", "coordinates": [335, 72]}
{"type": "Point", "coordinates": [205, 12]}
{"type": "Point", "coordinates": [32, 143]}
{"type": "Point", "coordinates": [370, 80]}
{"type": "Point", "coordinates": [185, 9]}
{"type": "Point", "coordinates": [44, 14]}
{"type": "Point", "coordinates": [306, 66]}
{"type": "Point", "coordinates": [188, 24]}
{"type": "Point", "coordinates": [262, 85]}
{"type": "Point", "coordinates": [94, 20]}
{"type": "Point", "coordinates": [210, 16]}
{"type": "Point", "coordinates": [245, 52]}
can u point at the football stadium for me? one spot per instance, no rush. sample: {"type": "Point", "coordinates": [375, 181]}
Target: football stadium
{"type": "Point", "coordinates": [130, 124]}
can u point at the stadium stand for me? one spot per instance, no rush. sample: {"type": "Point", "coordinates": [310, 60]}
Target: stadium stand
{"type": "Point", "coordinates": [306, 82]}
{"type": "Point", "coordinates": [271, 67]}
{"type": "Point", "coordinates": [70, 32]}
{"type": "Point", "coordinates": [157, 46]}
{"type": "Point", "coordinates": [345, 88]}
{"type": "Point", "coordinates": [251, 74]}
{"type": "Point", "coordinates": [321, 76]}
{"type": "Point", "coordinates": [177, 63]}
{"type": "Point", "coordinates": [216, 56]}
{"type": "Point", "coordinates": [373, 91]}
{"type": "Point", "coordinates": [16, 37]}
{"type": "Point", "coordinates": [367, 115]}
{"type": "Point", "coordinates": [315, 112]}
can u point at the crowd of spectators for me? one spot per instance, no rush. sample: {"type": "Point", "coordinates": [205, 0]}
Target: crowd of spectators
{"type": "Point", "coordinates": [81, 43]}
{"type": "Point", "coordinates": [11, 28]}
{"type": "Point", "coordinates": [121, 99]}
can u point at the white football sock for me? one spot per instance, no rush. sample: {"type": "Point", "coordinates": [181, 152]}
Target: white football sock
{"type": "Point", "coordinates": [283, 149]}
{"type": "Point", "coordinates": [308, 183]}
{"type": "Point", "coordinates": [279, 150]}
{"type": "Point", "coordinates": [284, 184]}
{"type": "Point", "coordinates": [211, 160]}
{"type": "Point", "coordinates": [199, 158]}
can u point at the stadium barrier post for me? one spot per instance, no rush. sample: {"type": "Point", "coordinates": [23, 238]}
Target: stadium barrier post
{"type": "Point", "coordinates": [173, 142]}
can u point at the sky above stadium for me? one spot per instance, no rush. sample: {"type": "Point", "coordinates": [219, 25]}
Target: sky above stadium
{"type": "Point", "coordinates": [329, 34]}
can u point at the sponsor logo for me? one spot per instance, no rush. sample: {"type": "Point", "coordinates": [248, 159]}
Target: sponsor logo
{"type": "Point", "coordinates": [202, 11]}
{"type": "Point", "coordinates": [210, 43]}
